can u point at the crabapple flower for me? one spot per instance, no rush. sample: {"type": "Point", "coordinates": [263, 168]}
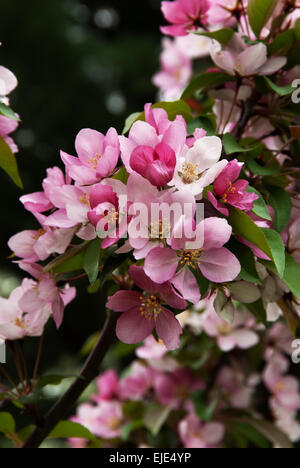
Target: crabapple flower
{"type": "Point", "coordinates": [14, 323]}
{"type": "Point", "coordinates": [222, 12]}
{"type": "Point", "coordinates": [142, 312]}
{"type": "Point", "coordinates": [285, 389]}
{"type": "Point", "coordinates": [152, 146]}
{"type": "Point", "coordinates": [286, 420]}
{"type": "Point", "coordinates": [105, 213]}
{"type": "Point", "coordinates": [185, 16]}
{"type": "Point", "coordinates": [32, 246]}
{"type": "Point", "coordinates": [237, 388]}
{"type": "Point", "coordinates": [8, 82]}
{"type": "Point", "coordinates": [231, 191]}
{"type": "Point", "coordinates": [229, 336]}
{"type": "Point", "coordinates": [136, 385]}
{"type": "Point", "coordinates": [155, 164]}
{"type": "Point", "coordinates": [196, 434]}
{"type": "Point", "coordinates": [98, 155]}
{"type": "Point", "coordinates": [198, 166]}
{"type": "Point", "coordinates": [46, 294]}
{"type": "Point", "coordinates": [240, 59]}
{"type": "Point", "coordinates": [176, 71]}
{"type": "Point", "coordinates": [151, 349]}
{"type": "Point", "coordinates": [104, 420]}
{"type": "Point", "coordinates": [107, 385]}
{"type": "Point", "coordinates": [149, 231]}
{"type": "Point", "coordinates": [215, 262]}
{"type": "Point", "coordinates": [175, 388]}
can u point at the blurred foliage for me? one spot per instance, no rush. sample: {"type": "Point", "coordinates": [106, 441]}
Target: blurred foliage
{"type": "Point", "coordinates": [79, 64]}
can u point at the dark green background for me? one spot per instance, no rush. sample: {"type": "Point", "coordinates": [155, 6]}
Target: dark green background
{"type": "Point", "coordinates": [69, 71]}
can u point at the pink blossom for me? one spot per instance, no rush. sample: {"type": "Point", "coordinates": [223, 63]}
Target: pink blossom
{"type": "Point", "coordinates": [46, 294]}
{"type": "Point", "coordinates": [231, 191]}
{"type": "Point", "coordinates": [222, 12]}
{"type": "Point", "coordinates": [153, 142]}
{"type": "Point", "coordinates": [176, 71]}
{"type": "Point", "coordinates": [107, 385]}
{"type": "Point", "coordinates": [236, 387]}
{"type": "Point", "coordinates": [105, 213]}
{"type": "Point", "coordinates": [104, 420]}
{"type": "Point", "coordinates": [40, 244]}
{"type": "Point", "coordinates": [286, 420]}
{"type": "Point", "coordinates": [243, 60]}
{"type": "Point", "coordinates": [142, 312]}
{"type": "Point", "coordinates": [285, 389]}
{"type": "Point", "coordinates": [198, 166]}
{"type": "Point", "coordinates": [196, 434]}
{"type": "Point", "coordinates": [185, 16]}
{"type": "Point", "coordinates": [137, 383]}
{"type": "Point", "coordinates": [147, 232]}
{"type": "Point", "coordinates": [97, 156]}
{"type": "Point", "coordinates": [238, 334]}
{"type": "Point", "coordinates": [215, 262]}
{"type": "Point", "coordinates": [151, 349]}
{"type": "Point", "coordinates": [8, 81]}
{"type": "Point", "coordinates": [14, 323]}
{"type": "Point", "coordinates": [174, 389]}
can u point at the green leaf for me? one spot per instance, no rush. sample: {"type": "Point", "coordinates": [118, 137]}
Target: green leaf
{"type": "Point", "coordinates": [202, 282]}
{"type": "Point", "coordinates": [8, 112]}
{"type": "Point", "coordinates": [269, 431]}
{"type": "Point", "coordinates": [258, 169]}
{"type": "Point", "coordinates": [7, 423]}
{"type": "Point", "coordinates": [282, 41]}
{"type": "Point", "coordinates": [291, 276]}
{"type": "Point", "coordinates": [26, 432]}
{"type": "Point", "coordinates": [51, 380]}
{"type": "Point", "coordinates": [202, 122]}
{"type": "Point", "coordinates": [259, 13]}
{"type": "Point", "coordinates": [174, 109]}
{"type": "Point", "coordinates": [251, 434]}
{"type": "Point", "coordinates": [281, 90]}
{"type": "Point", "coordinates": [267, 240]}
{"type": "Point", "coordinates": [155, 417]}
{"type": "Point", "coordinates": [92, 259]}
{"type": "Point", "coordinates": [231, 146]}
{"type": "Point", "coordinates": [260, 207]}
{"type": "Point", "coordinates": [8, 163]}
{"type": "Point", "coordinates": [71, 264]}
{"type": "Point", "coordinates": [131, 427]}
{"type": "Point", "coordinates": [68, 429]}
{"type": "Point", "coordinates": [246, 259]}
{"type": "Point", "coordinates": [206, 81]}
{"type": "Point", "coordinates": [258, 310]}
{"type": "Point", "coordinates": [121, 175]}
{"type": "Point", "coordinates": [222, 35]}
{"type": "Point", "coordinates": [203, 411]}
{"type": "Point", "coordinates": [280, 200]}
{"type": "Point", "coordinates": [130, 121]}
{"type": "Point", "coordinates": [94, 288]}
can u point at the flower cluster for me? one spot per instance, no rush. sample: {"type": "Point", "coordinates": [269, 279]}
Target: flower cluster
{"type": "Point", "coordinates": [177, 389]}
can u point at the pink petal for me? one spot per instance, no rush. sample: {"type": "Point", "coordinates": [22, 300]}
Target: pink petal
{"type": "Point", "coordinates": [220, 265]}
{"type": "Point", "coordinates": [141, 279]}
{"type": "Point", "coordinates": [252, 59]}
{"type": "Point", "coordinates": [186, 284]}
{"type": "Point", "coordinates": [161, 265]}
{"type": "Point", "coordinates": [88, 144]}
{"type": "Point", "coordinates": [168, 329]}
{"type": "Point", "coordinates": [123, 301]}
{"type": "Point", "coordinates": [245, 339]}
{"type": "Point", "coordinates": [175, 136]}
{"type": "Point", "coordinates": [132, 327]}
{"type": "Point", "coordinates": [143, 134]}
{"type": "Point", "coordinates": [217, 232]}
{"type": "Point", "coordinates": [58, 311]}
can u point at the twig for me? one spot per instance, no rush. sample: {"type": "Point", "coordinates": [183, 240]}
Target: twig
{"type": "Point", "coordinates": [89, 372]}
{"type": "Point", "coordinates": [38, 359]}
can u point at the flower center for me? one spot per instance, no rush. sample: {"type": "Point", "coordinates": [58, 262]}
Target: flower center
{"type": "Point", "coordinates": [85, 199]}
{"type": "Point", "coordinates": [150, 307]}
{"type": "Point", "coordinates": [229, 191]}
{"type": "Point", "coordinates": [160, 230]}
{"type": "Point", "coordinates": [111, 216]}
{"type": "Point", "coordinates": [191, 258]}
{"type": "Point", "coordinates": [225, 329]}
{"type": "Point", "coordinates": [39, 234]}
{"type": "Point", "coordinates": [113, 423]}
{"type": "Point", "coordinates": [190, 173]}
{"type": "Point", "coordinates": [21, 323]}
{"type": "Point", "coordinates": [93, 162]}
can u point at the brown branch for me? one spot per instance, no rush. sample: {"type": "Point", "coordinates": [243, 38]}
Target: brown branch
{"type": "Point", "coordinates": [89, 372]}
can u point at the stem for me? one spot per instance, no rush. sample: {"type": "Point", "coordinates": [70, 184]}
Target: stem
{"type": "Point", "coordinates": [246, 116]}
{"type": "Point", "coordinates": [89, 372]}
{"type": "Point", "coordinates": [9, 379]}
{"type": "Point", "coordinates": [18, 364]}
{"type": "Point", "coordinates": [24, 361]}
{"type": "Point", "coordinates": [38, 359]}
